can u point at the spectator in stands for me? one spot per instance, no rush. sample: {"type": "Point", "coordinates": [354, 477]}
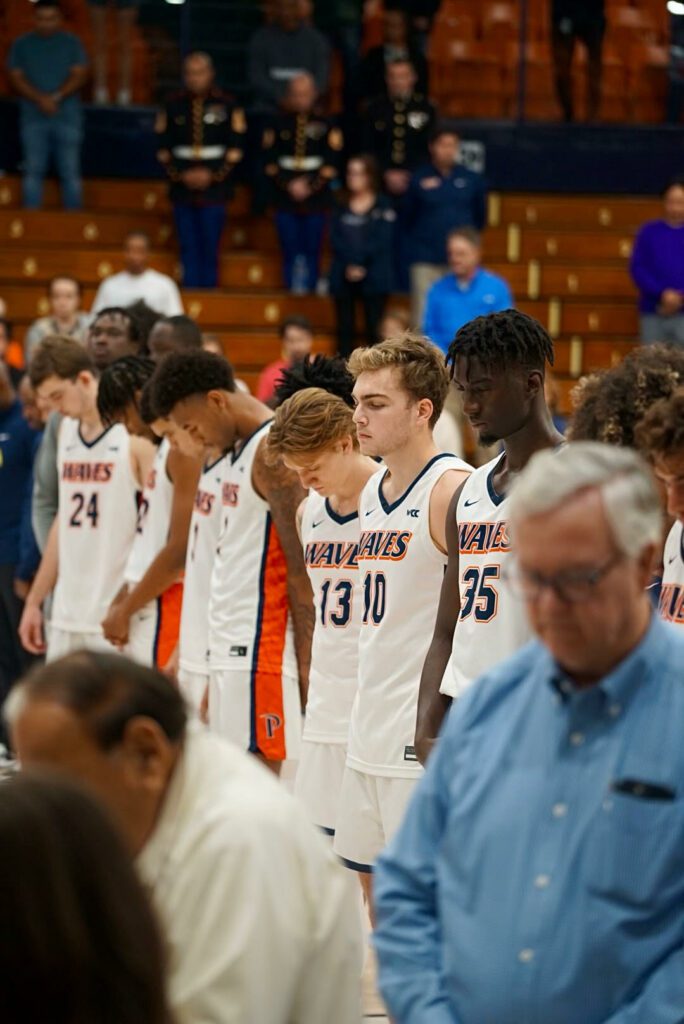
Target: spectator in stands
{"type": "Point", "coordinates": [126, 13]}
{"type": "Point", "coordinates": [467, 292]}
{"type": "Point", "coordinates": [395, 321]}
{"type": "Point", "coordinates": [257, 914]}
{"type": "Point", "coordinates": [657, 268]}
{"type": "Point", "coordinates": [19, 555]}
{"type": "Point", "coordinates": [397, 44]}
{"type": "Point", "coordinates": [10, 352]}
{"type": "Point", "coordinates": [66, 318]}
{"type": "Point", "coordinates": [139, 281]}
{"type": "Point", "coordinates": [173, 334]}
{"type": "Point", "coordinates": [675, 92]}
{"type": "Point", "coordinates": [397, 127]}
{"type": "Point", "coordinates": [201, 136]}
{"type": "Point", "coordinates": [281, 51]}
{"type": "Point", "coordinates": [361, 238]}
{"type": "Point", "coordinates": [97, 953]}
{"type": "Point", "coordinates": [296, 343]}
{"type": "Point", "coordinates": [47, 67]}
{"type": "Point", "coordinates": [420, 14]}
{"type": "Point", "coordinates": [441, 196]}
{"type": "Point", "coordinates": [301, 158]}
{"type": "Point", "coordinates": [573, 21]}
{"type": "Point", "coordinates": [342, 22]}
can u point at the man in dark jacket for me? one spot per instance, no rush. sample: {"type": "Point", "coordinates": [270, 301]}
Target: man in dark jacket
{"type": "Point", "coordinates": [573, 20]}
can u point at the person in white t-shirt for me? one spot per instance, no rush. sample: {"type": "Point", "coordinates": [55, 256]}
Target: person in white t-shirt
{"type": "Point", "coordinates": [256, 914]}
{"type": "Point", "coordinates": [138, 281]}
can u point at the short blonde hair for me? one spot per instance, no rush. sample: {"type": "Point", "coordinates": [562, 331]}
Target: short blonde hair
{"type": "Point", "coordinates": [420, 363]}
{"type": "Point", "coordinates": [308, 422]}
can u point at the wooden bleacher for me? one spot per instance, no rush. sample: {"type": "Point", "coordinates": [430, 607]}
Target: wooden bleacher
{"type": "Point", "coordinates": [566, 259]}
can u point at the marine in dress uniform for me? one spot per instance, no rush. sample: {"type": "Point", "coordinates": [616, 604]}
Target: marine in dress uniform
{"type": "Point", "coordinates": [397, 131]}
{"type": "Point", "coordinates": [201, 135]}
{"type": "Point", "coordinates": [301, 159]}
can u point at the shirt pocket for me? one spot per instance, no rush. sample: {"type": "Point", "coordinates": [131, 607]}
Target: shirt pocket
{"type": "Point", "coordinates": [636, 850]}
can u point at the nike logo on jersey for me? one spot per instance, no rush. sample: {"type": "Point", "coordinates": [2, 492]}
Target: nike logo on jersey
{"type": "Point", "coordinates": [469, 503]}
{"type": "Point", "coordinates": [314, 525]}
{"type": "Point", "coordinates": [673, 559]}
{"type": "Point", "coordinates": [371, 511]}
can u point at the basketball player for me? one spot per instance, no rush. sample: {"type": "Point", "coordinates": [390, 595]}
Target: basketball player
{"type": "Point", "coordinates": [399, 390]}
{"type": "Point", "coordinates": [144, 617]}
{"type": "Point", "coordinates": [313, 432]}
{"type": "Point", "coordinates": [259, 583]}
{"type": "Point", "coordinates": [497, 363]}
{"type": "Point", "coordinates": [661, 436]}
{"type": "Point", "coordinates": [101, 469]}
{"type": "Point", "coordinates": [114, 333]}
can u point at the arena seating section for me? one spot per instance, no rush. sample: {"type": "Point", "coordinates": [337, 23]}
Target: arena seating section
{"type": "Point", "coordinates": [565, 258]}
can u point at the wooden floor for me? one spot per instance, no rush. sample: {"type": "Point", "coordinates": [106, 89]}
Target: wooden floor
{"type": "Point", "coordinates": [565, 257]}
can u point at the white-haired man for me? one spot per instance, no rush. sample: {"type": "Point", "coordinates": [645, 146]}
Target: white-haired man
{"type": "Point", "coordinates": [539, 873]}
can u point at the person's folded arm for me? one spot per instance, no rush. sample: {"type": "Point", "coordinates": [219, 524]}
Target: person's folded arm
{"type": "Point", "coordinates": [408, 938]}
{"type": "Point", "coordinates": [661, 999]}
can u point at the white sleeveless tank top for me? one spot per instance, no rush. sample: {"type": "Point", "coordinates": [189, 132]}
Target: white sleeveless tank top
{"type": "Point", "coordinates": [331, 545]}
{"type": "Point", "coordinates": [492, 622]}
{"type": "Point", "coordinates": [671, 604]}
{"type": "Point", "coordinates": [154, 516]}
{"type": "Point", "coordinates": [202, 540]}
{"type": "Point", "coordinates": [96, 524]}
{"type": "Point", "coordinates": [249, 621]}
{"type": "Point", "coordinates": [401, 574]}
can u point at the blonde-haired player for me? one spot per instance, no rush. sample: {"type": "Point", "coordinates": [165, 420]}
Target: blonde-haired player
{"type": "Point", "coordinates": [313, 432]}
{"type": "Point", "coordinates": [399, 392]}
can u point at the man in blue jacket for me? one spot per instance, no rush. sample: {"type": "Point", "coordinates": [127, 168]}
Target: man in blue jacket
{"type": "Point", "coordinates": [442, 195]}
{"type": "Point", "coordinates": [19, 555]}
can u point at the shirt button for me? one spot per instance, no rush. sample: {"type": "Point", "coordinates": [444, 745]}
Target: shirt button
{"type": "Point", "coordinates": [614, 710]}
{"type": "Point", "coordinates": [559, 810]}
{"type": "Point", "coordinates": [577, 739]}
{"type": "Point", "coordinates": [542, 881]}
{"type": "Point", "coordinates": [525, 956]}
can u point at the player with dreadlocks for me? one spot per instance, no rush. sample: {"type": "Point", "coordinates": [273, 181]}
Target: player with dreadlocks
{"type": "Point", "coordinates": [313, 433]}
{"type": "Point", "coordinates": [497, 363]}
{"type": "Point", "coordinates": [144, 617]}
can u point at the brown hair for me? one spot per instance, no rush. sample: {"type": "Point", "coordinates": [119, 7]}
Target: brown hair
{"type": "Point", "coordinates": [470, 235]}
{"type": "Point", "coordinates": [420, 363]}
{"type": "Point", "coordinates": [57, 356]}
{"type": "Point", "coordinates": [308, 421]}
{"type": "Point", "coordinates": [661, 432]}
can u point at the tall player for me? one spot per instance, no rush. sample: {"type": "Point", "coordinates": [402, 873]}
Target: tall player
{"type": "Point", "coordinates": [259, 586]}
{"type": "Point", "coordinates": [399, 391]}
{"type": "Point", "coordinates": [661, 436]}
{"type": "Point", "coordinates": [101, 469]}
{"type": "Point", "coordinates": [497, 363]}
{"type": "Point", "coordinates": [144, 617]}
{"type": "Point", "coordinates": [313, 432]}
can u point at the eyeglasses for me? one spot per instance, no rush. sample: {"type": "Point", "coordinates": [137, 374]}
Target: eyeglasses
{"type": "Point", "coordinates": [572, 586]}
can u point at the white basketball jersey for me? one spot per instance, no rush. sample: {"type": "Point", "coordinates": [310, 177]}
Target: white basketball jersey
{"type": "Point", "coordinates": [400, 577]}
{"type": "Point", "coordinates": [202, 540]}
{"type": "Point", "coordinates": [249, 623]}
{"type": "Point", "coordinates": [492, 623]}
{"type": "Point", "coordinates": [154, 516]}
{"type": "Point", "coordinates": [96, 523]}
{"type": "Point", "coordinates": [671, 605]}
{"type": "Point", "coordinates": [331, 546]}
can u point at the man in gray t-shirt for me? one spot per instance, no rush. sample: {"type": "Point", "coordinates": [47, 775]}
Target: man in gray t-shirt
{"type": "Point", "coordinates": [280, 51]}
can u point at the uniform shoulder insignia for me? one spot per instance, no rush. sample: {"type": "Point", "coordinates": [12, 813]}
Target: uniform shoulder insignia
{"type": "Point", "coordinates": [237, 121]}
{"type": "Point", "coordinates": [335, 140]}
{"type": "Point", "coordinates": [160, 122]}
{"type": "Point", "coordinates": [268, 138]}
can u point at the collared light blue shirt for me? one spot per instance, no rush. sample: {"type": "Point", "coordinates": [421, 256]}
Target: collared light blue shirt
{"type": "Point", "coordinates": [450, 305]}
{"type": "Point", "coordinates": [525, 885]}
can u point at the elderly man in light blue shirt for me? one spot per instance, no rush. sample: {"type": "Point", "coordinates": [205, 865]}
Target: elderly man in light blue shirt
{"type": "Point", "coordinates": [538, 877]}
{"type": "Point", "coordinates": [468, 291]}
